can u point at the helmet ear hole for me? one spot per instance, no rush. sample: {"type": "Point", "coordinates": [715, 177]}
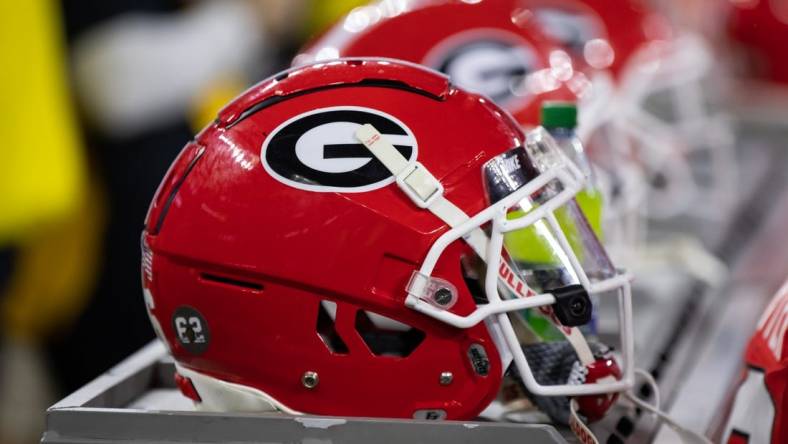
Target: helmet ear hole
{"type": "Point", "coordinates": [385, 336]}
{"type": "Point", "coordinates": [326, 328]}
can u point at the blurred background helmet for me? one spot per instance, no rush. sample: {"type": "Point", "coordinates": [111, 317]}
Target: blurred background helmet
{"type": "Point", "coordinates": [477, 45]}
{"type": "Point", "coordinates": [758, 28]}
{"type": "Point", "coordinates": [654, 78]}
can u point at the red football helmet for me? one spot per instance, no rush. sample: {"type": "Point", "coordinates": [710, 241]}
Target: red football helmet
{"type": "Point", "coordinates": [359, 237]}
{"type": "Point", "coordinates": [599, 34]}
{"type": "Point", "coordinates": [487, 47]}
{"type": "Point", "coordinates": [636, 60]}
{"type": "Point", "coordinates": [761, 28]}
{"type": "Point", "coordinates": [759, 413]}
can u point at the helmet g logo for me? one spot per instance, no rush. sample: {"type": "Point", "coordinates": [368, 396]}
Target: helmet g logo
{"type": "Point", "coordinates": [492, 63]}
{"type": "Point", "coordinates": [317, 150]}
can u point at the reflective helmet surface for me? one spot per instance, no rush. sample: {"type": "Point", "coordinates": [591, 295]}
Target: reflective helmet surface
{"type": "Point", "coordinates": [488, 47]}
{"type": "Point", "coordinates": [286, 269]}
{"type": "Point", "coordinates": [295, 259]}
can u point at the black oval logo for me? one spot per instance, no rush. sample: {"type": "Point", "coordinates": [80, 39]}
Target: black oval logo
{"type": "Point", "coordinates": [490, 63]}
{"type": "Point", "coordinates": [318, 150]}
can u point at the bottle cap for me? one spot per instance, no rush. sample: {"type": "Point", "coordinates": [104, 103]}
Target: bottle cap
{"type": "Point", "coordinates": [558, 114]}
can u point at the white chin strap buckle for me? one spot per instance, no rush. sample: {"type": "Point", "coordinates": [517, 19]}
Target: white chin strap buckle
{"type": "Point", "coordinates": [412, 178]}
{"type": "Point", "coordinates": [421, 186]}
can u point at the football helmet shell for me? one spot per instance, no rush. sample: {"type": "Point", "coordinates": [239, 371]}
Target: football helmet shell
{"type": "Point", "coordinates": [600, 34]}
{"type": "Point", "coordinates": [273, 272]}
{"type": "Point", "coordinates": [489, 47]}
{"type": "Point", "coordinates": [760, 407]}
{"type": "Point", "coordinates": [282, 264]}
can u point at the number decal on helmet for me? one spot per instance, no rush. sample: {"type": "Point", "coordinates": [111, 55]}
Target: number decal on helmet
{"type": "Point", "coordinates": [317, 150]}
{"type": "Point", "coordinates": [191, 329]}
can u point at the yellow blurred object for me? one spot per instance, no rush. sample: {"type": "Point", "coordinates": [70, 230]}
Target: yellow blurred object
{"type": "Point", "coordinates": [42, 172]}
{"type": "Point", "coordinates": [54, 273]}
{"type": "Point", "coordinates": [532, 245]}
{"type": "Point", "coordinates": [323, 14]}
{"type": "Point", "coordinates": [46, 211]}
{"type": "Point", "coordinates": [320, 14]}
{"type": "Point", "coordinates": [591, 202]}
{"type": "Point", "coordinates": [529, 244]}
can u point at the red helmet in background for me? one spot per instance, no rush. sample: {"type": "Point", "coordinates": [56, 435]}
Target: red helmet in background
{"type": "Point", "coordinates": [488, 47]}
{"type": "Point", "coordinates": [319, 249]}
{"type": "Point", "coordinates": [599, 34]}
{"type": "Point", "coordinates": [760, 27]}
{"type": "Point", "coordinates": [759, 410]}
{"type": "Point", "coordinates": [658, 83]}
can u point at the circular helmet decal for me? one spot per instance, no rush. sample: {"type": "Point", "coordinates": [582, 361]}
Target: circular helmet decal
{"type": "Point", "coordinates": [191, 329]}
{"type": "Point", "coordinates": [490, 62]}
{"type": "Point", "coordinates": [318, 150]}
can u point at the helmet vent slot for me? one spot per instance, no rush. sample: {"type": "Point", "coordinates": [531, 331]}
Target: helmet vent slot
{"type": "Point", "coordinates": [385, 336]}
{"type": "Point", "coordinates": [224, 280]}
{"type": "Point", "coordinates": [326, 328]}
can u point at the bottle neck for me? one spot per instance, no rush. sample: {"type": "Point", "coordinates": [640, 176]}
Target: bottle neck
{"type": "Point", "coordinates": [561, 132]}
{"type": "Point", "coordinates": [573, 147]}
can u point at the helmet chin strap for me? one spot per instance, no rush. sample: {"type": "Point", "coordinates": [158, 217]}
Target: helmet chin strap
{"type": "Point", "coordinates": [427, 193]}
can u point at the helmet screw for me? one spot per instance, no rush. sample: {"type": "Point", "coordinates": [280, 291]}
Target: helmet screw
{"type": "Point", "coordinates": [310, 380]}
{"type": "Point", "coordinates": [443, 296]}
{"type": "Point", "coordinates": [578, 307]}
{"type": "Point", "coordinates": [446, 378]}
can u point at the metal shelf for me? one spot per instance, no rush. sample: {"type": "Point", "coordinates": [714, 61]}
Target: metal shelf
{"type": "Point", "coordinates": [137, 402]}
